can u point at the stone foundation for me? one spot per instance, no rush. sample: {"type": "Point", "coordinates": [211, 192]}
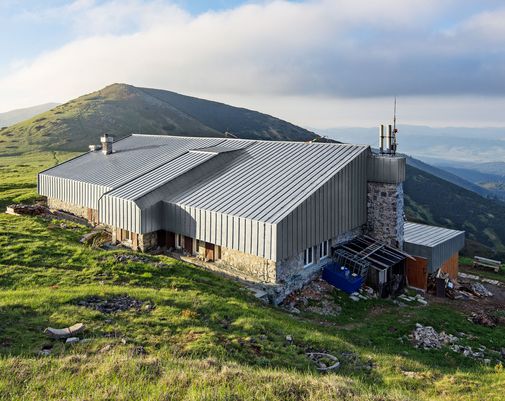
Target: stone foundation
{"type": "Point", "coordinates": [385, 205]}
{"type": "Point", "coordinates": [147, 241]}
{"type": "Point", "coordinates": [77, 210]}
{"type": "Point", "coordinates": [263, 270]}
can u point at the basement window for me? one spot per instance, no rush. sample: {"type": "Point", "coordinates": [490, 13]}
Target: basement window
{"type": "Point", "coordinates": [323, 250]}
{"type": "Point", "coordinates": [308, 257]}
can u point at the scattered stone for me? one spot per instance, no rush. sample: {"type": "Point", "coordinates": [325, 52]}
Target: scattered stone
{"type": "Point", "coordinates": [354, 298]}
{"type": "Point", "coordinates": [118, 303]}
{"type": "Point", "coordinates": [45, 352]}
{"type": "Point", "coordinates": [487, 361]}
{"type": "Point", "coordinates": [72, 340]}
{"type": "Point", "coordinates": [483, 319]}
{"type": "Point", "coordinates": [125, 257]}
{"type": "Point", "coordinates": [324, 362]}
{"type": "Point", "coordinates": [66, 332]}
{"type": "Point", "coordinates": [480, 290]}
{"type": "Point", "coordinates": [316, 297]}
{"type": "Point", "coordinates": [289, 339]}
{"type": "Point", "coordinates": [427, 337]}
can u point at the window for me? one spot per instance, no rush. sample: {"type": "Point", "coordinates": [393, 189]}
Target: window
{"type": "Point", "coordinates": [308, 258]}
{"type": "Point", "coordinates": [323, 250]}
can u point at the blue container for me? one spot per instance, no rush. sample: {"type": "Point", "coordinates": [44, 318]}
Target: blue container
{"type": "Point", "coordinates": [341, 278]}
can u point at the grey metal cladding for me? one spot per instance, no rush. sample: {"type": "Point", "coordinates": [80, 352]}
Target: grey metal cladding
{"type": "Point", "coordinates": [386, 169]}
{"type": "Point", "coordinates": [437, 244]}
{"type": "Point", "coordinates": [337, 206]}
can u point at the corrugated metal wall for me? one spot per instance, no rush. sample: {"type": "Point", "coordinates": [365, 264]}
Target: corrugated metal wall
{"type": "Point", "coordinates": [338, 206]}
{"type": "Point", "coordinates": [246, 235]}
{"type": "Point", "coordinates": [121, 213]}
{"type": "Point", "coordinates": [72, 191]}
{"type": "Point", "coordinates": [437, 255]}
{"type": "Point", "coordinates": [387, 169]}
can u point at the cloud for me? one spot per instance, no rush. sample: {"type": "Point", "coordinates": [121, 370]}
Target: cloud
{"type": "Point", "coordinates": [316, 49]}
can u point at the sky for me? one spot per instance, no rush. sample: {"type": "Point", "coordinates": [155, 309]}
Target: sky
{"type": "Point", "coordinates": [319, 64]}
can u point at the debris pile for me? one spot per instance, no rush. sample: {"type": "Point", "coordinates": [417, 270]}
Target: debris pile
{"type": "Point", "coordinates": [483, 319]}
{"type": "Point", "coordinates": [118, 303]}
{"type": "Point", "coordinates": [365, 293]}
{"type": "Point", "coordinates": [30, 210]}
{"type": "Point", "coordinates": [315, 297]}
{"type": "Point", "coordinates": [427, 337]}
{"type": "Point", "coordinates": [417, 298]}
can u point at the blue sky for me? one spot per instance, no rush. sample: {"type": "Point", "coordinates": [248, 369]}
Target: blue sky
{"type": "Point", "coordinates": [319, 63]}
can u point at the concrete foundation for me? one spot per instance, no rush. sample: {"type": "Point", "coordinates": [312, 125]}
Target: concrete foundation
{"type": "Point", "coordinates": [385, 207]}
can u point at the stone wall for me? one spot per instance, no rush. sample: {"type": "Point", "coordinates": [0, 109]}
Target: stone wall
{"type": "Point", "coordinates": [293, 275]}
{"type": "Point", "coordinates": [147, 241]}
{"type": "Point", "coordinates": [385, 205]}
{"type": "Point", "coordinates": [77, 210]}
{"type": "Point", "coordinates": [263, 270]}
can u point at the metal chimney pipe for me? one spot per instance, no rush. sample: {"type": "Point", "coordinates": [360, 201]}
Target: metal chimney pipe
{"type": "Point", "coordinates": [106, 141]}
{"type": "Point", "coordinates": [381, 138]}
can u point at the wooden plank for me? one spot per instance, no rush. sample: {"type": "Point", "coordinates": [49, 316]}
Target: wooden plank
{"type": "Point", "coordinates": [451, 266]}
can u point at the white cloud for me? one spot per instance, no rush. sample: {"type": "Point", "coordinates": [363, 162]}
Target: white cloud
{"type": "Point", "coordinates": [328, 52]}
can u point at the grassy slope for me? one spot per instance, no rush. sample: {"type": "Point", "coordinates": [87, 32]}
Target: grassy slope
{"type": "Point", "coordinates": [123, 109]}
{"type": "Point", "coordinates": [434, 201]}
{"type": "Point", "coordinates": [198, 338]}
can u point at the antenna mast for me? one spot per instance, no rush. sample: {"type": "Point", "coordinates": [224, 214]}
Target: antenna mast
{"type": "Point", "coordinates": [395, 131]}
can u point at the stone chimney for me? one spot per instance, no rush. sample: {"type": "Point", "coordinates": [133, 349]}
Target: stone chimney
{"type": "Point", "coordinates": [106, 141]}
{"type": "Point", "coordinates": [385, 203]}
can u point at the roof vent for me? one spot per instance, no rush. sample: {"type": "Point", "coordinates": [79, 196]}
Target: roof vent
{"type": "Point", "coordinates": [106, 141]}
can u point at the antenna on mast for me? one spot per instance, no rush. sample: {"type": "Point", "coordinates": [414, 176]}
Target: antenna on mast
{"type": "Point", "coordinates": [394, 143]}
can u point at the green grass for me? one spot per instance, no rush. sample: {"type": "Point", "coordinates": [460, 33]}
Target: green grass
{"type": "Point", "coordinates": [207, 338]}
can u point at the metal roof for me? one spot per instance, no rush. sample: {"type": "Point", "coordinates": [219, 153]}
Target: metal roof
{"type": "Point", "coordinates": [430, 236]}
{"type": "Point", "coordinates": [260, 180]}
{"type": "Point", "coordinates": [268, 179]}
{"type": "Point", "coordinates": [436, 244]}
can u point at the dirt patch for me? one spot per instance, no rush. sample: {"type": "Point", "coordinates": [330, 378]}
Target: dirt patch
{"type": "Point", "coordinates": [119, 303]}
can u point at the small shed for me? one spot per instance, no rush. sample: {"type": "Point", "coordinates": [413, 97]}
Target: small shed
{"type": "Point", "coordinates": [381, 265]}
{"type": "Point", "coordinates": [437, 245]}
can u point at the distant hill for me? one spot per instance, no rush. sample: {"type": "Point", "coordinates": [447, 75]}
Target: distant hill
{"type": "Point", "coordinates": [121, 109]}
{"type": "Point", "coordinates": [451, 176]}
{"type": "Point", "coordinates": [432, 200]}
{"type": "Point", "coordinates": [18, 115]}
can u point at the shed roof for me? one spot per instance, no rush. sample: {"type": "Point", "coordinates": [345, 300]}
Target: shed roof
{"type": "Point", "coordinates": [430, 236]}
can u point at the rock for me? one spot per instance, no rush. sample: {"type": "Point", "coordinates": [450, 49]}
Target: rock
{"type": "Point", "coordinates": [289, 339]}
{"type": "Point", "coordinates": [354, 298]}
{"type": "Point", "coordinates": [427, 337]}
{"type": "Point", "coordinates": [138, 351]}
{"type": "Point", "coordinates": [72, 340]}
{"type": "Point", "coordinates": [483, 319]}
{"type": "Point", "coordinates": [45, 352]}
{"type": "Point", "coordinates": [106, 348]}
{"type": "Point", "coordinates": [487, 361]}
{"type": "Point", "coordinates": [118, 303]}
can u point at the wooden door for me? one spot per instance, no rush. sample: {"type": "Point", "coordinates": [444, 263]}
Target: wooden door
{"type": "Point", "coordinates": [188, 245]}
{"type": "Point", "coordinates": [417, 272]}
{"type": "Point", "coordinates": [209, 251]}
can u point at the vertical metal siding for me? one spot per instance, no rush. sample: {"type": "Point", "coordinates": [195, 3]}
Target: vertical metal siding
{"type": "Point", "coordinates": [339, 205]}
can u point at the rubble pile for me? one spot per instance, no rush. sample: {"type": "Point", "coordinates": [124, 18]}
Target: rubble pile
{"type": "Point", "coordinates": [30, 210]}
{"type": "Point", "coordinates": [315, 297]}
{"type": "Point", "coordinates": [474, 277]}
{"type": "Point", "coordinates": [365, 293]}
{"type": "Point", "coordinates": [118, 303]}
{"type": "Point", "coordinates": [417, 298]}
{"type": "Point", "coordinates": [427, 337]}
{"type": "Point", "coordinates": [483, 319]}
